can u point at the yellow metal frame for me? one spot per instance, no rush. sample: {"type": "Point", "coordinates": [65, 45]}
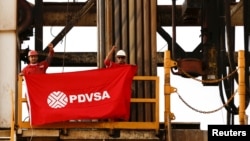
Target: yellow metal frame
{"type": "Point", "coordinates": [101, 124]}
{"type": "Point", "coordinates": [168, 116]}
{"type": "Point", "coordinates": [12, 126]}
{"type": "Point", "coordinates": [242, 87]}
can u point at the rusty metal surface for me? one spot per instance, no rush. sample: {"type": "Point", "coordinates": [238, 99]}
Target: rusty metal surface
{"type": "Point", "coordinates": [189, 135]}
{"type": "Point", "coordinates": [94, 134]}
{"type": "Point", "coordinates": [237, 14]}
{"type": "Point", "coordinates": [55, 14]}
{"type": "Point", "coordinates": [191, 11]}
{"type": "Point", "coordinates": [192, 66]}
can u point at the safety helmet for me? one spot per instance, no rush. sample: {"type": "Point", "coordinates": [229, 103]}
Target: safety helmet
{"type": "Point", "coordinates": [32, 53]}
{"type": "Point", "coordinates": [121, 53]}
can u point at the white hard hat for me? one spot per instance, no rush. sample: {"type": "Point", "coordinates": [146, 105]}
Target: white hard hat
{"type": "Point", "coordinates": [121, 53]}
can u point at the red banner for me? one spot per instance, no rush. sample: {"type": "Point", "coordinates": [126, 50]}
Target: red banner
{"type": "Point", "coordinates": [93, 94]}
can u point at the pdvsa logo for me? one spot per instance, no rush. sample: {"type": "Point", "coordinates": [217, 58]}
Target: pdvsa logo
{"type": "Point", "coordinates": [58, 99]}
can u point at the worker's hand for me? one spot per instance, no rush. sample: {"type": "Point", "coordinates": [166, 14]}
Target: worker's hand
{"type": "Point", "coordinates": [21, 74]}
{"type": "Point", "coordinates": [51, 46]}
{"type": "Point", "coordinates": [113, 48]}
{"type": "Point", "coordinates": [51, 50]}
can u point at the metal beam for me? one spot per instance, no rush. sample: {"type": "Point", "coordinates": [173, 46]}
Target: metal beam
{"type": "Point", "coordinates": [56, 14]}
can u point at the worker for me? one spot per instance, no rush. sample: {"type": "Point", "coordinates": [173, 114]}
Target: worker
{"type": "Point", "coordinates": [120, 61]}
{"type": "Point", "coordinates": [35, 67]}
{"type": "Point", "coordinates": [120, 58]}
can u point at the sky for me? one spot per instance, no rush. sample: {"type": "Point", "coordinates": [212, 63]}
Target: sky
{"type": "Point", "coordinates": [201, 98]}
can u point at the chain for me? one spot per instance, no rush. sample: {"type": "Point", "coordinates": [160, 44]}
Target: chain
{"type": "Point", "coordinates": [208, 81]}
{"type": "Point", "coordinates": [207, 112]}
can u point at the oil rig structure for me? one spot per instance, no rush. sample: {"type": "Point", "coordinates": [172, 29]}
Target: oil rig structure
{"type": "Point", "coordinates": [132, 25]}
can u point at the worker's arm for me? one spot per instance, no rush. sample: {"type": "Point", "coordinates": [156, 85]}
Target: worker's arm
{"type": "Point", "coordinates": [51, 52]}
{"type": "Point", "coordinates": [108, 57]}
